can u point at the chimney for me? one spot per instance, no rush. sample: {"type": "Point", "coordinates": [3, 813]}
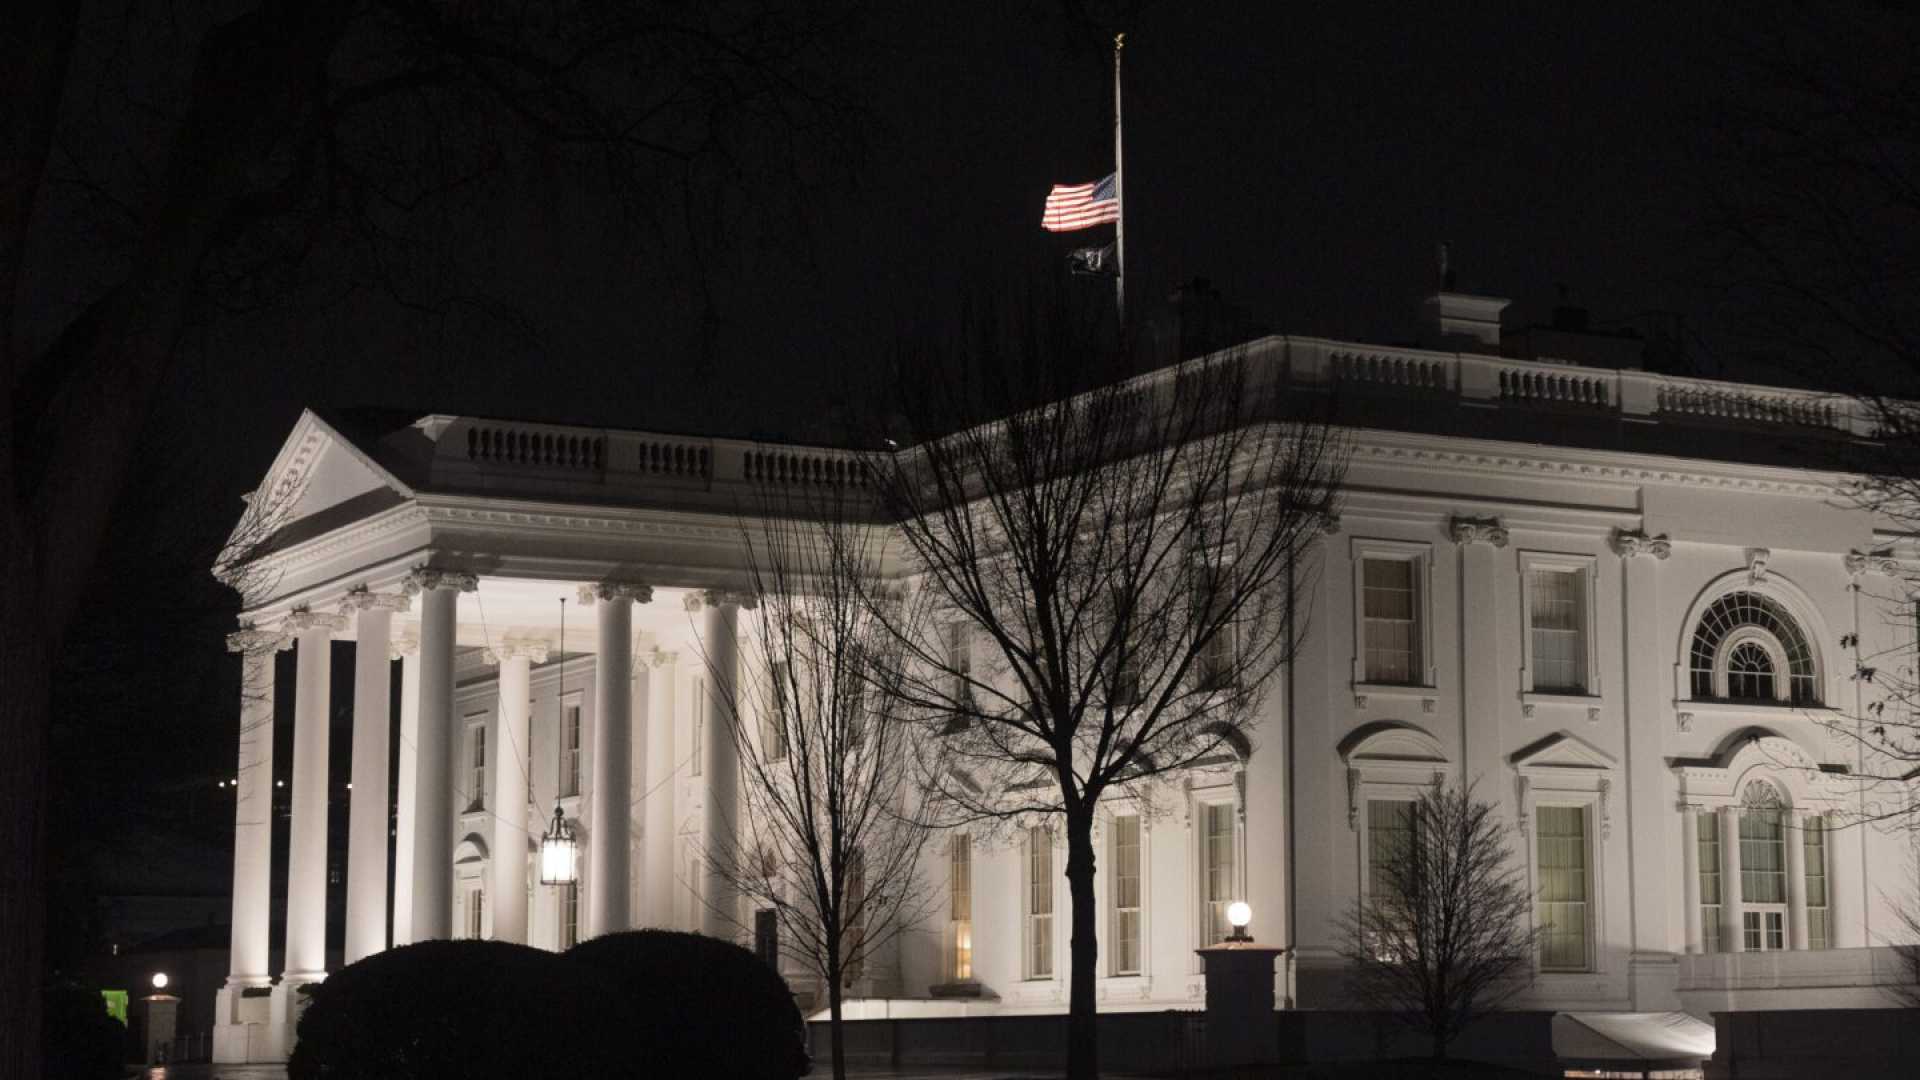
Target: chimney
{"type": "Point", "coordinates": [1460, 321]}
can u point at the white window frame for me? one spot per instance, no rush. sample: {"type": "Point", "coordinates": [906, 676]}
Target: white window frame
{"type": "Point", "coordinates": [1109, 902]}
{"type": "Point", "coordinates": [959, 930]}
{"type": "Point", "coordinates": [1216, 673]}
{"type": "Point", "coordinates": [1420, 556]}
{"type": "Point", "coordinates": [1203, 803]}
{"type": "Point", "coordinates": [956, 639]}
{"type": "Point", "coordinates": [697, 750]}
{"type": "Point", "coordinates": [1564, 770]}
{"type": "Point", "coordinates": [1589, 867]}
{"type": "Point", "coordinates": [1030, 927]}
{"type": "Point", "coordinates": [571, 774]}
{"type": "Point", "coordinates": [1587, 567]}
{"type": "Point", "coordinates": [773, 721]}
{"type": "Point", "coordinates": [475, 736]}
{"type": "Point", "coordinates": [1395, 762]}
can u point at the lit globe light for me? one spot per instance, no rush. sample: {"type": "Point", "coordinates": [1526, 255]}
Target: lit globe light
{"type": "Point", "coordinates": [159, 980]}
{"type": "Point", "coordinates": [1238, 916]}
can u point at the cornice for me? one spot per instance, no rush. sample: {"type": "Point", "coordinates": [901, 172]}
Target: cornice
{"type": "Point", "coordinates": [427, 578]}
{"type": "Point", "coordinates": [1477, 530]}
{"type": "Point", "coordinates": [361, 598]}
{"type": "Point", "coordinates": [1628, 543]}
{"type": "Point", "coordinates": [300, 620]}
{"type": "Point", "coordinates": [698, 598]}
{"type": "Point", "coordinates": [252, 639]}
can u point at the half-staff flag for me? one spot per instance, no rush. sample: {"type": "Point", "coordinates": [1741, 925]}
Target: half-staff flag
{"type": "Point", "coordinates": [1082, 206]}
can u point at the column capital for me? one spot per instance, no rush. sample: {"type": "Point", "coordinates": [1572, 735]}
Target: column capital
{"type": "Point", "coordinates": [402, 644]}
{"type": "Point", "coordinates": [700, 598]}
{"type": "Point", "coordinates": [534, 649]}
{"type": "Point", "coordinates": [302, 619]}
{"type": "Point", "coordinates": [1860, 562]}
{"type": "Point", "coordinates": [616, 590]}
{"type": "Point", "coordinates": [361, 598]}
{"type": "Point", "coordinates": [252, 639]}
{"type": "Point", "coordinates": [1627, 543]}
{"type": "Point", "coordinates": [1477, 530]}
{"type": "Point", "coordinates": [425, 578]}
{"type": "Point", "coordinates": [662, 658]}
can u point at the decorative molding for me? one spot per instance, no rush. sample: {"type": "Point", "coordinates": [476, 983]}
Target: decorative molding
{"type": "Point", "coordinates": [535, 649]}
{"type": "Point", "coordinates": [663, 658]}
{"type": "Point", "coordinates": [1685, 720]}
{"type": "Point", "coordinates": [361, 598]}
{"type": "Point", "coordinates": [1526, 709]}
{"type": "Point", "coordinates": [1477, 530]}
{"type": "Point", "coordinates": [1883, 563]}
{"type": "Point", "coordinates": [1628, 543]}
{"type": "Point", "coordinates": [1330, 525]}
{"type": "Point", "coordinates": [1593, 714]}
{"type": "Point", "coordinates": [1757, 565]}
{"type": "Point", "coordinates": [1360, 702]}
{"type": "Point", "coordinates": [1508, 464]}
{"type": "Point", "coordinates": [1427, 705]}
{"type": "Point", "coordinates": [1353, 799]}
{"type": "Point", "coordinates": [252, 639]}
{"type": "Point", "coordinates": [301, 619]}
{"type": "Point", "coordinates": [1606, 815]}
{"type": "Point", "coordinates": [1520, 785]}
{"type": "Point", "coordinates": [424, 578]}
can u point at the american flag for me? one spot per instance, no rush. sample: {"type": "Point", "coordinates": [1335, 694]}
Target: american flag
{"type": "Point", "coordinates": [1081, 206]}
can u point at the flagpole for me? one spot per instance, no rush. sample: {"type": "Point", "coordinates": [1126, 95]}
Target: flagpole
{"type": "Point", "coordinates": [1120, 195]}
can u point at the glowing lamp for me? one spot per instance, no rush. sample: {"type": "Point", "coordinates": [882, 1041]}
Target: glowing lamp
{"type": "Point", "coordinates": [557, 849]}
{"type": "Point", "coordinates": [159, 980]}
{"type": "Point", "coordinates": [1238, 916]}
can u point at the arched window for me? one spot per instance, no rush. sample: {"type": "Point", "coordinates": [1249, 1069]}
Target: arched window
{"type": "Point", "coordinates": [1747, 648]}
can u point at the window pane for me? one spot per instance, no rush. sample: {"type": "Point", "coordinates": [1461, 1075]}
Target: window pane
{"type": "Point", "coordinates": [1039, 903]}
{"type": "Point", "coordinates": [1391, 628]}
{"type": "Point", "coordinates": [1389, 835]}
{"type": "Point", "coordinates": [1126, 895]}
{"type": "Point", "coordinates": [1763, 858]}
{"type": "Point", "coordinates": [1707, 826]}
{"type": "Point", "coordinates": [1558, 629]}
{"type": "Point", "coordinates": [1562, 863]}
{"type": "Point", "coordinates": [1819, 929]}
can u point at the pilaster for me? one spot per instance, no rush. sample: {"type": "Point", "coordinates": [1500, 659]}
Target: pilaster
{"type": "Point", "coordinates": [1650, 795]}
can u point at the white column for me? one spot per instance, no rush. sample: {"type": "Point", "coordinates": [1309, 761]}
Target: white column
{"type": "Point", "coordinates": [610, 838]}
{"type": "Point", "coordinates": [720, 637]}
{"type": "Point", "coordinates": [1732, 925]}
{"type": "Point", "coordinates": [405, 649]}
{"type": "Point", "coordinates": [253, 811]}
{"type": "Point", "coordinates": [367, 804]}
{"type": "Point", "coordinates": [1796, 841]}
{"type": "Point", "coordinates": [508, 891]}
{"type": "Point", "coordinates": [1690, 871]}
{"type": "Point", "coordinates": [306, 950]}
{"type": "Point", "coordinates": [1484, 702]}
{"type": "Point", "coordinates": [657, 876]}
{"type": "Point", "coordinates": [1646, 698]}
{"type": "Point", "coordinates": [433, 783]}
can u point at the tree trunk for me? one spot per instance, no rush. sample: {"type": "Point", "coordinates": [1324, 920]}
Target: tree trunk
{"type": "Point", "coordinates": [835, 1030]}
{"type": "Point", "coordinates": [24, 716]}
{"type": "Point", "coordinates": [1083, 1036]}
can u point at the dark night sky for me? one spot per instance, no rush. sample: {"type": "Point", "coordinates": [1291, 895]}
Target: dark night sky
{"type": "Point", "coordinates": [1306, 158]}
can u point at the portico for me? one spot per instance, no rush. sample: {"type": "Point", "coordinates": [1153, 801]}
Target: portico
{"type": "Point", "coordinates": [539, 668]}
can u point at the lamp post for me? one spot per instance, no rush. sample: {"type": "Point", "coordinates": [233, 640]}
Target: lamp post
{"type": "Point", "coordinates": [163, 1010]}
{"type": "Point", "coordinates": [557, 851]}
{"type": "Point", "coordinates": [1241, 1029]}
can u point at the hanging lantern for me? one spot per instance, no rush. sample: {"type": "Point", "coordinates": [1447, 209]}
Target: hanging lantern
{"type": "Point", "coordinates": [557, 848]}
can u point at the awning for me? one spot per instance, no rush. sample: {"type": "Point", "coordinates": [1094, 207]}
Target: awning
{"type": "Point", "coordinates": [1652, 1038]}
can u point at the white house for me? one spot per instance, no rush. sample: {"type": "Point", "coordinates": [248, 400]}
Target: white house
{"type": "Point", "coordinates": [1619, 603]}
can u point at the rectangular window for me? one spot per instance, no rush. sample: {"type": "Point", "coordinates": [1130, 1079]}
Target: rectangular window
{"type": "Point", "coordinates": [1557, 620]}
{"type": "Point", "coordinates": [1126, 895]}
{"type": "Point", "coordinates": [569, 749]}
{"type": "Point", "coordinates": [1763, 858]}
{"type": "Point", "coordinates": [1707, 825]}
{"type": "Point", "coordinates": [960, 907]}
{"type": "Point", "coordinates": [773, 723]}
{"type": "Point", "coordinates": [697, 756]}
{"type": "Point", "coordinates": [477, 765]}
{"type": "Point", "coordinates": [1217, 871]}
{"type": "Point", "coordinates": [1562, 860]}
{"type": "Point", "coordinates": [569, 915]}
{"type": "Point", "coordinates": [1212, 592]}
{"type": "Point", "coordinates": [766, 937]}
{"type": "Point", "coordinates": [1764, 931]}
{"type": "Point", "coordinates": [959, 663]}
{"type": "Point", "coordinates": [1389, 838]}
{"type": "Point", "coordinates": [1819, 926]}
{"type": "Point", "coordinates": [1039, 903]}
{"type": "Point", "coordinates": [1390, 613]}
{"type": "Point", "coordinates": [476, 912]}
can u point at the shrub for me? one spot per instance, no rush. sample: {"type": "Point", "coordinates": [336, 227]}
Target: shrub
{"type": "Point", "coordinates": [699, 1006]}
{"type": "Point", "coordinates": [468, 1009]}
{"type": "Point", "coordinates": [82, 1041]}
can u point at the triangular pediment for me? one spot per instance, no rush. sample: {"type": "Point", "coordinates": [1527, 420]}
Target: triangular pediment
{"type": "Point", "coordinates": [1563, 751]}
{"type": "Point", "coordinates": [318, 480]}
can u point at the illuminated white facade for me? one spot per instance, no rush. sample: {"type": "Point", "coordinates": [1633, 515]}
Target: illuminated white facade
{"type": "Point", "coordinates": [1608, 598]}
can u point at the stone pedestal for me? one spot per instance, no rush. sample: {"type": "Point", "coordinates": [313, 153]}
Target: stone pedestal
{"type": "Point", "coordinates": [1240, 1024]}
{"type": "Point", "coordinates": [162, 1011]}
{"type": "Point", "coordinates": [242, 1026]}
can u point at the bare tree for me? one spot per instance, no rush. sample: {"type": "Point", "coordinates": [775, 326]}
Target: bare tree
{"type": "Point", "coordinates": [1442, 935]}
{"type": "Point", "coordinates": [1114, 567]}
{"type": "Point", "coordinates": [832, 831]}
{"type": "Point", "coordinates": [162, 166]}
